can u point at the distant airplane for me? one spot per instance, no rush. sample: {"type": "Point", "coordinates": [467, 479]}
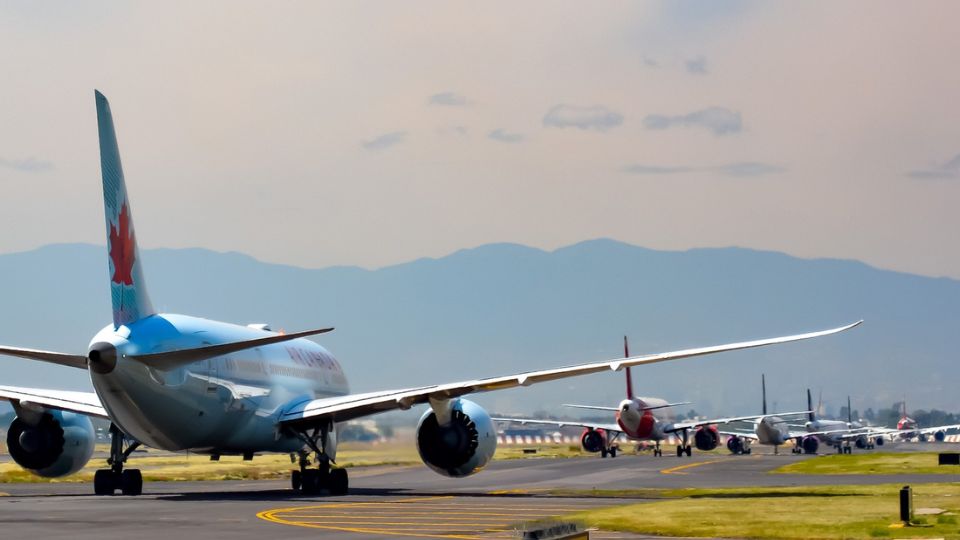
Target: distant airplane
{"type": "Point", "coordinates": [908, 428]}
{"type": "Point", "coordinates": [641, 419]}
{"type": "Point", "coordinates": [837, 433]}
{"type": "Point", "coordinates": [773, 430]}
{"type": "Point", "coordinates": [178, 383]}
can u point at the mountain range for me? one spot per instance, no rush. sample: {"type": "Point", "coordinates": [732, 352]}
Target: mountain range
{"type": "Point", "coordinates": [505, 308]}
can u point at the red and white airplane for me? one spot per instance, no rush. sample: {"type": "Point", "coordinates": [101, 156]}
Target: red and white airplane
{"type": "Point", "coordinates": [641, 419]}
{"type": "Point", "coordinates": [908, 428]}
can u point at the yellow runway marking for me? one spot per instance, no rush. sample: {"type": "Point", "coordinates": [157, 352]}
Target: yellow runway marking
{"type": "Point", "coordinates": [676, 470]}
{"type": "Point", "coordinates": [423, 517]}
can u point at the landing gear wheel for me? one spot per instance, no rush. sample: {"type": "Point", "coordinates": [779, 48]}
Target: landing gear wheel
{"type": "Point", "coordinates": [312, 481]}
{"type": "Point", "coordinates": [338, 482]}
{"type": "Point", "coordinates": [296, 480]}
{"type": "Point", "coordinates": [131, 482]}
{"type": "Point", "coordinates": [103, 482]}
{"type": "Point", "coordinates": [679, 451]}
{"type": "Point", "coordinates": [658, 452]}
{"type": "Point", "coordinates": [689, 451]}
{"type": "Point", "coordinates": [603, 452]}
{"type": "Point", "coordinates": [746, 451]}
{"type": "Point", "coordinates": [613, 452]}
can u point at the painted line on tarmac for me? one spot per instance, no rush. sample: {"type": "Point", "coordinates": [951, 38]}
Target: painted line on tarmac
{"type": "Point", "coordinates": [424, 517]}
{"type": "Point", "coordinates": [681, 468]}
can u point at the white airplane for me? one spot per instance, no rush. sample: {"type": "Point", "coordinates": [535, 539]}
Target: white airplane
{"type": "Point", "coordinates": [837, 433]}
{"type": "Point", "coordinates": [772, 430]}
{"type": "Point", "coordinates": [641, 419]}
{"type": "Point", "coordinates": [178, 383]}
{"type": "Point", "coordinates": [908, 428]}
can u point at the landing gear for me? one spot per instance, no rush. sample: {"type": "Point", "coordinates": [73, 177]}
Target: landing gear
{"type": "Point", "coordinates": [612, 452]}
{"type": "Point", "coordinates": [108, 481]}
{"type": "Point", "coordinates": [657, 451]}
{"type": "Point", "coordinates": [311, 481]}
{"type": "Point", "coordinates": [685, 448]}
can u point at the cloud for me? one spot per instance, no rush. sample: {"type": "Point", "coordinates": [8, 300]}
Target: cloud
{"type": "Point", "coordinates": [505, 136]}
{"type": "Point", "coordinates": [945, 171]}
{"type": "Point", "coordinates": [737, 169]}
{"type": "Point", "coordinates": [697, 66]}
{"type": "Point", "coordinates": [719, 120]}
{"type": "Point", "coordinates": [597, 117]}
{"type": "Point", "coordinates": [29, 165]}
{"type": "Point", "coordinates": [384, 141]}
{"type": "Point", "coordinates": [449, 99]}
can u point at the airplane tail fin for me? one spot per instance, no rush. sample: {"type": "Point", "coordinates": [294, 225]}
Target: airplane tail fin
{"type": "Point", "coordinates": [763, 387]}
{"type": "Point", "coordinates": [849, 412]}
{"type": "Point", "coordinates": [128, 289]}
{"type": "Point", "coordinates": [812, 416]}
{"type": "Point", "coordinates": [626, 354]}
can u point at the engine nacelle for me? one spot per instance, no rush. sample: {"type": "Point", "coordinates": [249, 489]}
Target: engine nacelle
{"type": "Point", "coordinates": [735, 445]}
{"type": "Point", "coordinates": [810, 445]}
{"type": "Point", "coordinates": [593, 440]}
{"type": "Point", "coordinates": [879, 441]}
{"type": "Point", "coordinates": [922, 437]}
{"type": "Point", "coordinates": [463, 446]}
{"type": "Point", "coordinates": [706, 438]}
{"type": "Point", "coordinates": [58, 444]}
{"type": "Point", "coordinates": [940, 436]}
{"type": "Point", "coordinates": [862, 442]}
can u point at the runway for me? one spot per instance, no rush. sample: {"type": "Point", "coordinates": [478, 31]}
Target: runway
{"type": "Point", "coordinates": [386, 501]}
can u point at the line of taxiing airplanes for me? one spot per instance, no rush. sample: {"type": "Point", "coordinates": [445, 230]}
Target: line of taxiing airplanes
{"type": "Point", "coordinates": [648, 419]}
{"type": "Point", "coordinates": [182, 383]}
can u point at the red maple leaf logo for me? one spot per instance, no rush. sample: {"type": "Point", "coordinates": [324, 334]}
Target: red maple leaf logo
{"type": "Point", "coordinates": [122, 249]}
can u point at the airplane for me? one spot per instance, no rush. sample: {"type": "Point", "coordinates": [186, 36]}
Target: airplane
{"type": "Point", "coordinates": [182, 383]}
{"type": "Point", "coordinates": [837, 433]}
{"type": "Point", "coordinates": [773, 430]}
{"type": "Point", "coordinates": [640, 419]}
{"type": "Point", "coordinates": [908, 428]}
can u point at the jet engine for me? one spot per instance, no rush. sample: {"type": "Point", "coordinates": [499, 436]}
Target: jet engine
{"type": "Point", "coordinates": [922, 437]}
{"type": "Point", "coordinates": [735, 445]}
{"type": "Point", "coordinates": [810, 445]}
{"type": "Point", "coordinates": [706, 438]}
{"type": "Point", "coordinates": [56, 444]}
{"type": "Point", "coordinates": [940, 436]}
{"type": "Point", "coordinates": [862, 442]}
{"type": "Point", "coordinates": [461, 447]}
{"type": "Point", "coordinates": [879, 441]}
{"type": "Point", "coordinates": [593, 440]}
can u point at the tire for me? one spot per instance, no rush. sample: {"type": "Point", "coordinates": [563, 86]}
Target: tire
{"type": "Point", "coordinates": [131, 482]}
{"type": "Point", "coordinates": [679, 451]}
{"type": "Point", "coordinates": [295, 480]}
{"type": "Point", "coordinates": [613, 452]}
{"type": "Point", "coordinates": [103, 482]}
{"type": "Point", "coordinates": [603, 452]}
{"type": "Point", "coordinates": [311, 482]}
{"type": "Point", "coordinates": [689, 451]}
{"type": "Point", "coordinates": [339, 482]}
{"type": "Point", "coordinates": [747, 451]}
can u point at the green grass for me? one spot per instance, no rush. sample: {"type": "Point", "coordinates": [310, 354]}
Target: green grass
{"type": "Point", "coordinates": [160, 467]}
{"type": "Point", "coordinates": [829, 512]}
{"type": "Point", "coordinates": [870, 463]}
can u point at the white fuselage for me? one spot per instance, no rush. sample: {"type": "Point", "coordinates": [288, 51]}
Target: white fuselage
{"type": "Point", "coordinates": [228, 404]}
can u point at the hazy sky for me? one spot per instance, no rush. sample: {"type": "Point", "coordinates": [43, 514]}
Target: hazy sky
{"type": "Point", "coordinates": [373, 133]}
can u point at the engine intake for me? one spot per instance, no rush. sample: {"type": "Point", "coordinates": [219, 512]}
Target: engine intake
{"type": "Point", "coordinates": [735, 445]}
{"type": "Point", "coordinates": [593, 440]}
{"type": "Point", "coordinates": [706, 438]}
{"type": "Point", "coordinates": [461, 447]}
{"type": "Point", "coordinates": [810, 445]}
{"type": "Point", "coordinates": [58, 444]}
{"type": "Point", "coordinates": [940, 436]}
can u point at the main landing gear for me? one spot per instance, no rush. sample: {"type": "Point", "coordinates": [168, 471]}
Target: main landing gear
{"type": "Point", "coordinates": [657, 451]}
{"type": "Point", "coordinates": [612, 452]}
{"type": "Point", "coordinates": [107, 481]}
{"type": "Point", "coordinates": [685, 447]}
{"type": "Point", "coordinates": [311, 481]}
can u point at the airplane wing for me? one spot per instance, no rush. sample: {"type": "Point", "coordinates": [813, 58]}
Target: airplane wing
{"type": "Point", "coordinates": [926, 430]}
{"type": "Point", "coordinates": [614, 409]}
{"type": "Point", "coordinates": [743, 434]}
{"type": "Point", "coordinates": [680, 426]}
{"type": "Point", "coordinates": [562, 423]}
{"type": "Point", "coordinates": [79, 402]}
{"type": "Point", "coordinates": [343, 408]}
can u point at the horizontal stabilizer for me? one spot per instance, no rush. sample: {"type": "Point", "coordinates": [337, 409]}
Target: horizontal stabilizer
{"type": "Point", "coordinates": [173, 359]}
{"type": "Point", "coordinates": [71, 360]}
{"type": "Point", "coordinates": [665, 405]}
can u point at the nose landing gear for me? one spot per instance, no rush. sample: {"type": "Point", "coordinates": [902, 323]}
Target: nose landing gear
{"type": "Point", "coordinates": [311, 481]}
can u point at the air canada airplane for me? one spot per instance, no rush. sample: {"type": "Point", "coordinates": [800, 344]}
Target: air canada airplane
{"type": "Point", "coordinates": [179, 383]}
{"type": "Point", "coordinates": [644, 419]}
